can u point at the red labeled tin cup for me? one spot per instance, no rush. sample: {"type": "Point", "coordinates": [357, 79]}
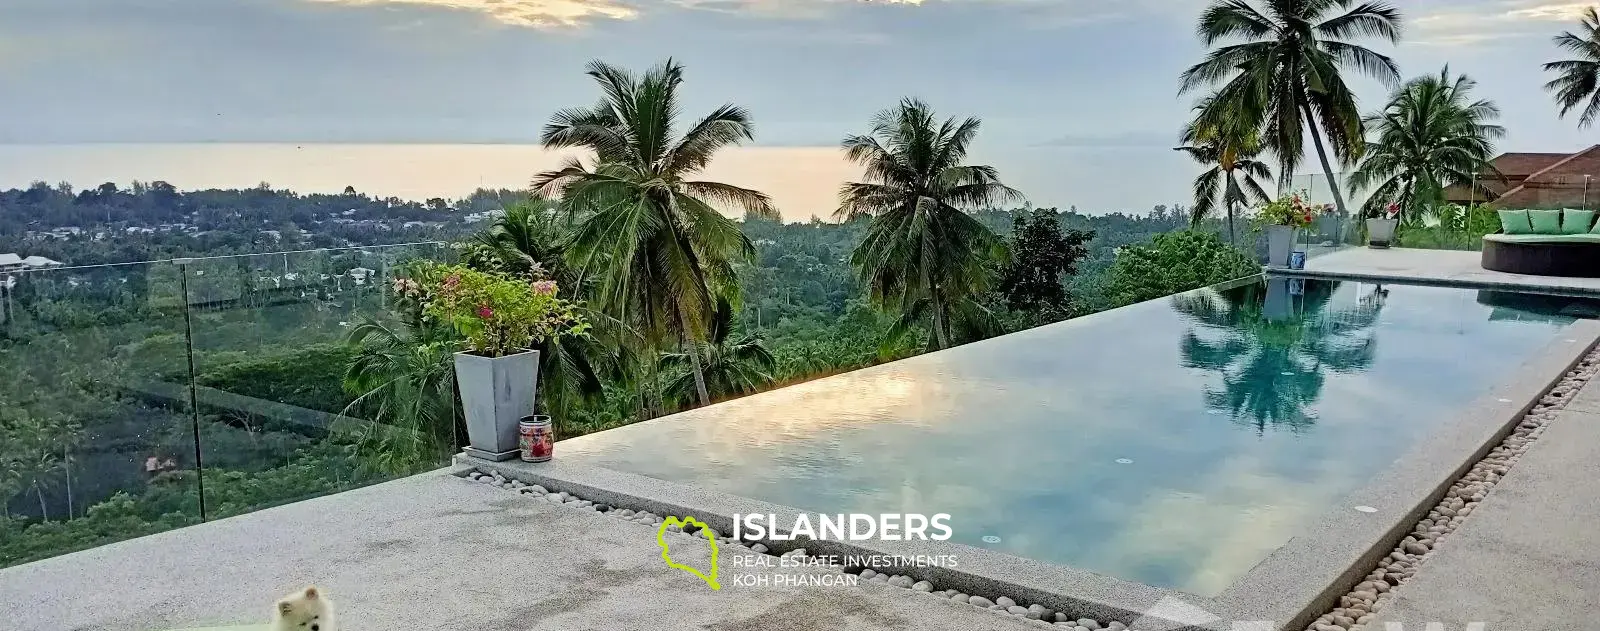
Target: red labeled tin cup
{"type": "Point", "coordinates": [536, 438]}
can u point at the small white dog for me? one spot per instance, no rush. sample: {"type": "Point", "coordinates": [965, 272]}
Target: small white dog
{"type": "Point", "coordinates": [306, 610]}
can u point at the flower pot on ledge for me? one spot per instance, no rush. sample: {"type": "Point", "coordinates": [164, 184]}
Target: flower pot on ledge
{"type": "Point", "coordinates": [496, 392]}
{"type": "Point", "coordinates": [1280, 242]}
{"type": "Point", "coordinates": [1380, 232]}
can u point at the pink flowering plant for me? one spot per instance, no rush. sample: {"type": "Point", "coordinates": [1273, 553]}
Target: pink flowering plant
{"type": "Point", "coordinates": [497, 314]}
{"type": "Point", "coordinates": [1290, 210]}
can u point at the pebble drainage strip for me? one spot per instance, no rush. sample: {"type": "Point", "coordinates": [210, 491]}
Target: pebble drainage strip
{"type": "Point", "coordinates": [1356, 608]}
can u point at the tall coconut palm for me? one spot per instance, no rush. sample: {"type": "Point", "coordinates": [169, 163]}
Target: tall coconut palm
{"type": "Point", "coordinates": [1429, 136]}
{"type": "Point", "coordinates": [922, 254]}
{"type": "Point", "coordinates": [1231, 154]}
{"type": "Point", "coordinates": [658, 249]}
{"type": "Point", "coordinates": [1284, 77]}
{"type": "Point", "coordinates": [1579, 83]}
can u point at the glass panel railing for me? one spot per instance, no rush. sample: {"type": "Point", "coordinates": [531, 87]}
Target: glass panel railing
{"type": "Point", "coordinates": [277, 420]}
{"type": "Point", "coordinates": [95, 436]}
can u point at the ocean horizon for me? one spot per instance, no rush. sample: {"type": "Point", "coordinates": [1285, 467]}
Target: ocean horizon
{"type": "Point", "coordinates": [802, 181]}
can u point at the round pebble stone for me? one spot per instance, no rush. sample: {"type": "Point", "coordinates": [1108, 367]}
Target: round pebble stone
{"type": "Point", "coordinates": [1017, 610]}
{"type": "Point", "coordinates": [981, 601]}
{"type": "Point", "coordinates": [762, 549]}
{"type": "Point", "coordinates": [1088, 624]}
{"type": "Point", "coordinates": [922, 586]}
{"type": "Point", "coordinates": [1004, 601]}
{"type": "Point", "coordinates": [960, 598]}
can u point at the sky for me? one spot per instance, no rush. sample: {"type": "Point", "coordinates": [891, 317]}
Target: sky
{"type": "Point", "coordinates": [1062, 85]}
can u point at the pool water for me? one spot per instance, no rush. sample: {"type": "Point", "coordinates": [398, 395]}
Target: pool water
{"type": "Point", "coordinates": [1175, 442]}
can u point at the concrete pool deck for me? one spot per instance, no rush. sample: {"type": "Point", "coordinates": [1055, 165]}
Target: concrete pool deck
{"type": "Point", "coordinates": [1442, 267]}
{"type": "Point", "coordinates": [1529, 558]}
{"type": "Point", "coordinates": [436, 552]}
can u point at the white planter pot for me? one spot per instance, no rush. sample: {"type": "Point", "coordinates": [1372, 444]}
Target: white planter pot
{"type": "Point", "coordinates": [1380, 232]}
{"type": "Point", "coordinates": [1280, 242]}
{"type": "Point", "coordinates": [496, 392]}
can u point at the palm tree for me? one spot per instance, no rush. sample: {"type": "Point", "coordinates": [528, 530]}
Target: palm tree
{"type": "Point", "coordinates": [1429, 136]}
{"type": "Point", "coordinates": [1231, 154]}
{"type": "Point", "coordinates": [1272, 368]}
{"type": "Point", "coordinates": [659, 251]}
{"type": "Point", "coordinates": [1579, 83]}
{"type": "Point", "coordinates": [922, 254]}
{"type": "Point", "coordinates": [531, 236]}
{"type": "Point", "coordinates": [403, 380]}
{"type": "Point", "coordinates": [735, 366]}
{"type": "Point", "coordinates": [1285, 76]}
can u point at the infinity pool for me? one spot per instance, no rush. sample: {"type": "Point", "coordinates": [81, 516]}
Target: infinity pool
{"type": "Point", "coordinates": [1174, 443]}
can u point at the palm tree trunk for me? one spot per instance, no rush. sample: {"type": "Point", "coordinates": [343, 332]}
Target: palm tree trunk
{"type": "Point", "coordinates": [655, 384]}
{"type": "Point", "coordinates": [692, 347]}
{"type": "Point", "coordinates": [1322, 155]}
{"type": "Point", "coordinates": [699, 374]}
{"type": "Point", "coordinates": [941, 336]}
{"type": "Point", "coordinates": [1231, 240]}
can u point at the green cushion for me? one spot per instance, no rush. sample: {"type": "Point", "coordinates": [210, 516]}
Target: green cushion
{"type": "Point", "coordinates": [1576, 221]}
{"type": "Point", "coordinates": [1515, 222]}
{"type": "Point", "coordinates": [1545, 221]}
{"type": "Point", "coordinates": [1543, 238]}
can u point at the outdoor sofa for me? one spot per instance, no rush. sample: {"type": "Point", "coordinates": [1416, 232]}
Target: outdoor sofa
{"type": "Point", "coordinates": [1545, 243]}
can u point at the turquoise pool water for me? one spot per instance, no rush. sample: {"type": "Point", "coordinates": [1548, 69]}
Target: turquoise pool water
{"type": "Point", "coordinates": [1175, 442]}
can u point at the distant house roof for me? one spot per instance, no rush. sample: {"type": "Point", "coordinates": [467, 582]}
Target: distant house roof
{"type": "Point", "coordinates": [1537, 180]}
{"type": "Point", "coordinates": [1563, 184]}
{"type": "Point", "coordinates": [1525, 164]}
{"type": "Point", "coordinates": [39, 261]}
{"type": "Point", "coordinates": [10, 258]}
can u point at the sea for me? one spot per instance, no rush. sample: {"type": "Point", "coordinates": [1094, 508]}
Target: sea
{"type": "Point", "coordinates": [803, 182]}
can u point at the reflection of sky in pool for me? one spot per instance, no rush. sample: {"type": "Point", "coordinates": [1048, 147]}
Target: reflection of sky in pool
{"type": "Point", "coordinates": [1245, 414]}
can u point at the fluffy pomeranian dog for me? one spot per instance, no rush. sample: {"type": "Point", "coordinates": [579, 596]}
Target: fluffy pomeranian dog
{"type": "Point", "coordinates": [305, 610]}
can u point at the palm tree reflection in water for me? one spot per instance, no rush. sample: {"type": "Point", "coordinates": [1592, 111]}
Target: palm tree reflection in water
{"type": "Point", "coordinates": [1271, 342]}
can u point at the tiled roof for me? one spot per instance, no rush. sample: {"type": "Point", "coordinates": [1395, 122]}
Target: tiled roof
{"type": "Point", "coordinates": [1554, 186]}
{"type": "Point", "coordinates": [1524, 164]}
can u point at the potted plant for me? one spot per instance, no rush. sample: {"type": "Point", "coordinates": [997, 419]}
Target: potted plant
{"type": "Point", "coordinates": [1381, 225]}
{"type": "Point", "coordinates": [501, 319]}
{"type": "Point", "coordinates": [1282, 220]}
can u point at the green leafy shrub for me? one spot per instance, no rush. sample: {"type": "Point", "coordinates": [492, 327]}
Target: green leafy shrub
{"type": "Point", "coordinates": [1175, 262]}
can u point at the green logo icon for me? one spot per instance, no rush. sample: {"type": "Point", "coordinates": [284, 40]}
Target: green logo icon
{"type": "Point", "coordinates": [666, 554]}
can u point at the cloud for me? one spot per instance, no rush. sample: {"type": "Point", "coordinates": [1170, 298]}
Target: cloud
{"type": "Point", "coordinates": [526, 13]}
{"type": "Point", "coordinates": [1494, 21]}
